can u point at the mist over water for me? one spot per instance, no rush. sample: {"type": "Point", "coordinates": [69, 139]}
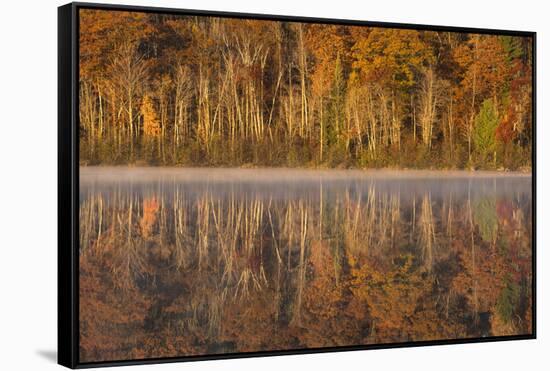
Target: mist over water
{"type": "Point", "coordinates": [296, 182]}
{"type": "Point", "coordinates": [233, 260]}
{"type": "Point", "coordinates": [107, 174]}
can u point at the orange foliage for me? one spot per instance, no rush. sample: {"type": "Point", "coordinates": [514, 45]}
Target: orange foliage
{"type": "Point", "coordinates": [149, 218]}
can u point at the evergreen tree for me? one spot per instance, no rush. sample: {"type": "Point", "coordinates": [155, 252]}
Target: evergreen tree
{"type": "Point", "coordinates": [484, 132]}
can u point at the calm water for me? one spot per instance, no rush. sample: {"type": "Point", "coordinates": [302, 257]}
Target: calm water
{"type": "Point", "coordinates": [187, 261]}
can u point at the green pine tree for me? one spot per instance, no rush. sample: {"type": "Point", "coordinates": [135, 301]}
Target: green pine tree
{"type": "Point", "coordinates": [484, 132]}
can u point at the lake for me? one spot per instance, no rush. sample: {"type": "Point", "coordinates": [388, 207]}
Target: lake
{"type": "Point", "coordinates": [205, 261]}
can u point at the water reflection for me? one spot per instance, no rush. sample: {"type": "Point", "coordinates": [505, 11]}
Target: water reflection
{"type": "Point", "coordinates": [172, 267]}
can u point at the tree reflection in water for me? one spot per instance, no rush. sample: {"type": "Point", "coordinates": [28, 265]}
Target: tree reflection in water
{"type": "Point", "coordinates": [174, 268]}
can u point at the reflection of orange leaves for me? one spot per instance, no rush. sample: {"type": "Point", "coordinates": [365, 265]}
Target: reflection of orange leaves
{"type": "Point", "coordinates": [326, 319]}
{"type": "Point", "coordinates": [500, 328]}
{"type": "Point", "coordinates": [323, 285]}
{"type": "Point", "coordinates": [249, 322]}
{"type": "Point", "coordinates": [505, 211]}
{"type": "Point", "coordinates": [392, 297]}
{"type": "Point", "coordinates": [104, 313]}
{"type": "Point", "coordinates": [149, 218]}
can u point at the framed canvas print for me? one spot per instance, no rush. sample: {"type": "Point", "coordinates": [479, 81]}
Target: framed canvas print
{"type": "Point", "coordinates": [235, 185]}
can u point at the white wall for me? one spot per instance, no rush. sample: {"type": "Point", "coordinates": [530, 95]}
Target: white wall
{"type": "Point", "coordinates": [28, 150]}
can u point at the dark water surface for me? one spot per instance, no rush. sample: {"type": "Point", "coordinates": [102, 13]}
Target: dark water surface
{"type": "Point", "coordinates": [177, 262]}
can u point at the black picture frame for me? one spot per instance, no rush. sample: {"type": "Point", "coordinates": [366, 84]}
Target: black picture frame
{"type": "Point", "coordinates": [68, 182]}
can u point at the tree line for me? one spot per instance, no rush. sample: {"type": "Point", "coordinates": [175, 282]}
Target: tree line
{"type": "Point", "coordinates": [205, 91]}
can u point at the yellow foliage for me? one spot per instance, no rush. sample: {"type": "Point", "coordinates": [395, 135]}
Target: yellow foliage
{"type": "Point", "coordinates": [151, 124]}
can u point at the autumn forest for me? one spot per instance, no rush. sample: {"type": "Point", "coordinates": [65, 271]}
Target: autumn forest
{"type": "Point", "coordinates": [160, 89]}
{"type": "Point", "coordinates": [252, 185]}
